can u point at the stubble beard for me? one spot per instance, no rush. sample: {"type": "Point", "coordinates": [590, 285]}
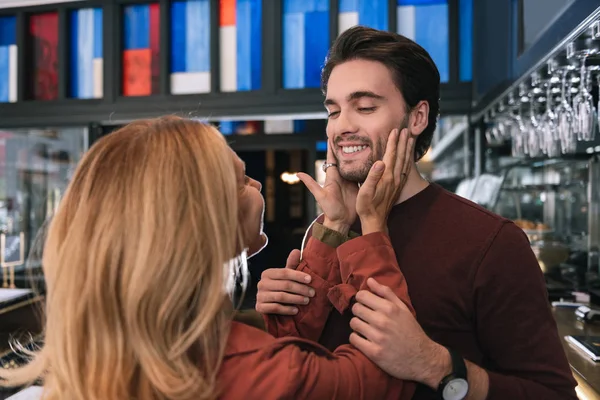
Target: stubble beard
{"type": "Point", "coordinates": [359, 174]}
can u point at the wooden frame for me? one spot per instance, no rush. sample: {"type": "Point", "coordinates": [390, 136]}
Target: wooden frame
{"type": "Point", "coordinates": [270, 99]}
{"type": "Point", "coordinates": [11, 265]}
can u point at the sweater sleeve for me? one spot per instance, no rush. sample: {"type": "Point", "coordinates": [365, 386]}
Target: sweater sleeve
{"type": "Point", "coordinates": [348, 373]}
{"type": "Point", "coordinates": [515, 326]}
{"type": "Point", "coordinates": [369, 256]}
{"type": "Point", "coordinates": [345, 374]}
{"type": "Point", "coordinates": [320, 262]}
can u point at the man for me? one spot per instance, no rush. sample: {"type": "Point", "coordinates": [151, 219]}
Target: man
{"type": "Point", "coordinates": [474, 282]}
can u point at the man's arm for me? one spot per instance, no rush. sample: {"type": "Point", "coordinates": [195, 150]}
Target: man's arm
{"type": "Point", "coordinates": [515, 329]}
{"type": "Point", "coordinates": [515, 326]}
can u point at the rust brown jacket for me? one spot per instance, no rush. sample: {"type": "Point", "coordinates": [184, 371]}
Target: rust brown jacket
{"type": "Point", "coordinates": [260, 366]}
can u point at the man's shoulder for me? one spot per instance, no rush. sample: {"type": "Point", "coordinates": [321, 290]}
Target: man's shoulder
{"type": "Point", "coordinates": [462, 216]}
{"type": "Point", "coordinates": [468, 209]}
{"type": "Point", "coordinates": [476, 224]}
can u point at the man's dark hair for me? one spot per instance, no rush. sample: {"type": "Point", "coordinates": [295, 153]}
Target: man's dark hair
{"type": "Point", "coordinates": [412, 68]}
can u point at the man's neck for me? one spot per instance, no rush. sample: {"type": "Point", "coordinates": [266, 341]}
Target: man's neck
{"type": "Point", "coordinates": [415, 184]}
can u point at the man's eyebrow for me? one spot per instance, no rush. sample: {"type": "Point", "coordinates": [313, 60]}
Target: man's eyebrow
{"type": "Point", "coordinates": [355, 96]}
{"type": "Point", "coordinates": [364, 93]}
{"type": "Point", "coordinates": [329, 102]}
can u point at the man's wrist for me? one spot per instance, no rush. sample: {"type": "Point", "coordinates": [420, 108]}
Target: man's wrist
{"type": "Point", "coordinates": [339, 227]}
{"type": "Point", "coordinates": [440, 366]}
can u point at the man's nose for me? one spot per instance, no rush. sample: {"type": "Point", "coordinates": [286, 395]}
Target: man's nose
{"type": "Point", "coordinates": [345, 124]}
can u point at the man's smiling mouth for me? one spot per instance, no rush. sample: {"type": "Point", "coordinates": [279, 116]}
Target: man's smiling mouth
{"type": "Point", "coordinates": [353, 149]}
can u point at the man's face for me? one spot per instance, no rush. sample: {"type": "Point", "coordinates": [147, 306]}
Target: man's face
{"type": "Point", "coordinates": [364, 106]}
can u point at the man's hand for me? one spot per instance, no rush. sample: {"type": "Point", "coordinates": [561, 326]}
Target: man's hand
{"type": "Point", "coordinates": [393, 339]}
{"type": "Point", "coordinates": [281, 289]}
{"type": "Point", "coordinates": [337, 197]}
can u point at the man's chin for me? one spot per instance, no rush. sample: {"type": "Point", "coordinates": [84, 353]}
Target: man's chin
{"type": "Point", "coordinates": [357, 176]}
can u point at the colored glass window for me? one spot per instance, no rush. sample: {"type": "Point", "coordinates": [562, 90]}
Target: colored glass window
{"type": "Point", "coordinates": [465, 23]}
{"type": "Point", "coordinates": [239, 127]}
{"type": "Point", "coordinates": [240, 29]}
{"type": "Point", "coordinates": [85, 54]}
{"type": "Point", "coordinates": [372, 13]}
{"type": "Point", "coordinates": [426, 22]}
{"type": "Point", "coordinates": [305, 42]}
{"type": "Point", "coordinates": [8, 59]}
{"type": "Point", "coordinates": [141, 50]}
{"type": "Point", "coordinates": [284, 126]}
{"type": "Point", "coordinates": [269, 127]}
{"type": "Point", "coordinates": [43, 56]}
{"type": "Point", "coordinates": [190, 47]}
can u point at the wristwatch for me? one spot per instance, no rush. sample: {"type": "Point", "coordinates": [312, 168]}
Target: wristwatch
{"type": "Point", "coordinates": [455, 386]}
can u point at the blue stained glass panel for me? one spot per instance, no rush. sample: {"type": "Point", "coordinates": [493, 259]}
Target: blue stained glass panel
{"type": "Point", "coordinates": [426, 22]}
{"type": "Point", "coordinates": [465, 23]}
{"type": "Point", "coordinates": [305, 42]}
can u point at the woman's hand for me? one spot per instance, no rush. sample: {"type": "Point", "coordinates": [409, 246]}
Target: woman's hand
{"type": "Point", "coordinates": [384, 183]}
{"type": "Point", "coordinates": [337, 197]}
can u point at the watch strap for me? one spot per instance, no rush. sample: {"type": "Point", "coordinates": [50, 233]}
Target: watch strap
{"type": "Point", "coordinates": [459, 368]}
{"type": "Point", "coordinates": [459, 371]}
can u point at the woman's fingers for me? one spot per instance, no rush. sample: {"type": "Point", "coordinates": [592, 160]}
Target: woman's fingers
{"type": "Point", "coordinates": [391, 151]}
{"type": "Point", "coordinates": [401, 155]}
{"type": "Point", "coordinates": [311, 185]}
{"type": "Point", "coordinates": [369, 186]}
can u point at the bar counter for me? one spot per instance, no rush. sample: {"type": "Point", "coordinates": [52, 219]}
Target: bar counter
{"type": "Point", "coordinates": [586, 371]}
{"type": "Point", "coordinates": [20, 314]}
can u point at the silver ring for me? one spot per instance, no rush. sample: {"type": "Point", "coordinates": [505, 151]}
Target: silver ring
{"type": "Point", "coordinates": [327, 165]}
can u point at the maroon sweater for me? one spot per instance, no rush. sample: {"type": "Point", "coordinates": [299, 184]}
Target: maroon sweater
{"type": "Point", "coordinates": [476, 287]}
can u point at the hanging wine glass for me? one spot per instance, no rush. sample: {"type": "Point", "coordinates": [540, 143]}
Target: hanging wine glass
{"type": "Point", "coordinates": [533, 122]}
{"type": "Point", "coordinates": [515, 126]}
{"type": "Point", "coordinates": [533, 142]}
{"type": "Point", "coordinates": [587, 109]}
{"type": "Point", "coordinates": [489, 135]}
{"type": "Point", "coordinates": [548, 126]}
{"type": "Point", "coordinates": [583, 103]}
{"type": "Point", "coordinates": [519, 134]}
{"type": "Point", "coordinates": [564, 114]}
{"type": "Point", "coordinates": [523, 126]}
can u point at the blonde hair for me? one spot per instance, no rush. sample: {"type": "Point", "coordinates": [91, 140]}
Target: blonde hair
{"type": "Point", "coordinates": [134, 264]}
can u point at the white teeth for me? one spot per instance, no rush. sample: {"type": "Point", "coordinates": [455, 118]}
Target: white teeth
{"type": "Point", "coordinates": [352, 149]}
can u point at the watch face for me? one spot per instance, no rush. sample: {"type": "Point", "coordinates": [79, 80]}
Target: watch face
{"type": "Point", "coordinates": [456, 389]}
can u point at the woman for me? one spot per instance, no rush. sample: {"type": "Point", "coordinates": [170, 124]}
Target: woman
{"type": "Point", "coordinates": [140, 262]}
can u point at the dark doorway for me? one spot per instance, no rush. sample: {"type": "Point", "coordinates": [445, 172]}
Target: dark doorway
{"type": "Point", "coordinates": [286, 214]}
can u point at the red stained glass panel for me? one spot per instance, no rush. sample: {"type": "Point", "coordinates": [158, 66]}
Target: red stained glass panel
{"type": "Point", "coordinates": [43, 57]}
{"type": "Point", "coordinates": [141, 52]}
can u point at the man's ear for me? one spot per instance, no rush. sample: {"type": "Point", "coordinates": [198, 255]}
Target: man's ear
{"type": "Point", "coordinates": [418, 118]}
